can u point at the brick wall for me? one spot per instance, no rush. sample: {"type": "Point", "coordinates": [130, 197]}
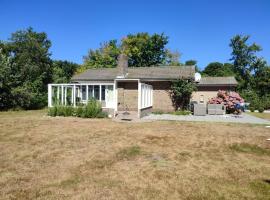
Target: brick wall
{"type": "Point", "coordinates": [127, 96]}
{"type": "Point", "coordinates": [161, 96]}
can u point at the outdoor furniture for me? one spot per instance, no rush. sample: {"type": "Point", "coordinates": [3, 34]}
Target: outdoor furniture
{"type": "Point", "coordinates": [215, 109]}
{"type": "Point", "coordinates": [199, 110]}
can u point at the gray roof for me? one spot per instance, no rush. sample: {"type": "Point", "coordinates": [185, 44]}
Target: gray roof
{"type": "Point", "coordinates": [218, 81]}
{"type": "Point", "coordinates": [153, 73]}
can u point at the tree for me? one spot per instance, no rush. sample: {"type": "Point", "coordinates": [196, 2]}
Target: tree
{"type": "Point", "coordinates": [244, 59]}
{"type": "Point", "coordinates": [6, 100]}
{"type": "Point", "coordinates": [63, 71]}
{"type": "Point", "coordinates": [218, 69]}
{"type": "Point", "coordinates": [31, 68]}
{"type": "Point", "coordinates": [181, 91]}
{"type": "Point", "coordinates": [192, 63]}
{"type": "Point", "coordinates": [145, 50]}
{"type": "Point", "coordinates": [262, 80]}
{"type": "Point", "coordinates": [105, 56]}
{"type": "Point", "coordinates": [172, 58]}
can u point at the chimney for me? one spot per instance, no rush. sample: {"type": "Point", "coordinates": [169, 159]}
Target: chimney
{"type": "Point", "coordinates": [122, 65]}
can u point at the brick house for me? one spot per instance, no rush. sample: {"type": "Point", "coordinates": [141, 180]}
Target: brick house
{"type": "Point", "coordinates": [134, 89]}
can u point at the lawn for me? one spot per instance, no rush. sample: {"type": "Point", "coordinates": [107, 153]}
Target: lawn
{"type": "Point", "coordinates": [72, 158]}
{"type": "Point", "coordinates": [261, 115]}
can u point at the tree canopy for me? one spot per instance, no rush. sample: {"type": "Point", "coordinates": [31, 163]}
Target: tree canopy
{"type": "Point", "coordinates": [218, 69]}
{"type": "Point", "coordinates": [142, 49]}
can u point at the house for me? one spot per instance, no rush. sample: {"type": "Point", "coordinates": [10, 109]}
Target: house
{"type": "Point", "coordinates": [134, 89]}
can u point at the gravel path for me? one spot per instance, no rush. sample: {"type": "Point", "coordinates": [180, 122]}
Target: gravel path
{"type": "Point", "coordinates": [243, 118]}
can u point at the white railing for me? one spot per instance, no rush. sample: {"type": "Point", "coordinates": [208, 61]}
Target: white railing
{"type": "Point", "coordinates": [146, 95]}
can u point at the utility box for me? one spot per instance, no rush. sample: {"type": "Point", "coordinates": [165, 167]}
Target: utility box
{"type": "Point", "coordinates": [215, 109]}
{"type": "Point", "coordinates": [199, 109]}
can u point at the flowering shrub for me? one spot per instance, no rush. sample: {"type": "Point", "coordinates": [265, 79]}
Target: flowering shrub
{"type": "Point", "coordinates": [229, 99]}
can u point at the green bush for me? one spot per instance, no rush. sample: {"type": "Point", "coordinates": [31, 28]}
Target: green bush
{"type": "Point", "coordinates": [93, 109]}
{"type": "Point", "coordinates": [261, 109]}
{"type": "Point", "coordinates": [252, 109]}
{"type": "Point", "coordinates": [52, 111]}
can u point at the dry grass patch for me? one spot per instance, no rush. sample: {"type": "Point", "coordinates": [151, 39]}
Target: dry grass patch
{"type": "Point", "coordinates": [70, 158]}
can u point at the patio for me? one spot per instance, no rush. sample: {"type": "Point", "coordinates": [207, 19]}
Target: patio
{"type": "Point", "coordinates": [243, 118]}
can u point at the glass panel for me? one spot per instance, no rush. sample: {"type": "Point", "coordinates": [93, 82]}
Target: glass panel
{"type": "Point", "coordinates": [83, 92]}
{"type": "Point", "coordinates": [96, 91]}
{"type": "Point", "coordinates": [90, 92]}
{"type": "Point", "coordinates": [103, 92]}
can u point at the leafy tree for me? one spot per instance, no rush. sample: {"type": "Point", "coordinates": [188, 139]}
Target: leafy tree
{"type": "Point", "coordinates": [262, 80]}
{"type": "Point", "coordinates": [181, 91]}
{"type": "Point", "coordinates": [218, 69]}
{"type": "Point", "coordinates": [63, 71]}
{"type": "Point", "coordinates": [31, 69]}
{"type": "Point", "coordinates": [244, 59]}
{"type": "Point", "coordinates": [145, 50]}
{"type": "Point", "coordinates": [172, 58]}
{"type": "Point", "coordinates": [6, 100]}
{"type": "Point", "coordinates": [142, 49]}
{"type": "Point", "coordinates": [105, 56]}
{"type": "Point", "coordinates": [192, 63]}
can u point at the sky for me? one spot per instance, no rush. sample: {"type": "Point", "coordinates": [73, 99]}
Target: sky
{"type": "Point", "coordinates": [198, 29]}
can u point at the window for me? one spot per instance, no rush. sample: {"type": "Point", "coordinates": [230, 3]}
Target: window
{"type": "Point", "coordinates": [84, 92]}
{"type": "Point", "coordinates": [90, 92]}
{"type": "Point", "coordinates": [96, 92]}
{"type": "Point", "coordinates": [103, 92]}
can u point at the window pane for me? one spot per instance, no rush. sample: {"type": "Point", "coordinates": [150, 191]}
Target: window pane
{"type": "Point", "coordinates": [96, 91]}
{"type": "Point", "coordinates": [90, 91]}
{"type": "Point", "coordinates": [103, 92]}
{"type": "Point", "coordinates": [83, 92]}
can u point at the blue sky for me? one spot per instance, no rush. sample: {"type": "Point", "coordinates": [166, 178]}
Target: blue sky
{"type": "Point", "coordinates": [199, 29]}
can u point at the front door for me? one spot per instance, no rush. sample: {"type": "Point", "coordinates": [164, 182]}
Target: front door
{"type": "Point", "coordinates": [109, 96]}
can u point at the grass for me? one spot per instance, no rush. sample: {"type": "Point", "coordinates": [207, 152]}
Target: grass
{"type": "Point", "coordinates": [250, 148]}
{"type": "Point", "coordinates": [73, 158]}
{"type": "Point", "coordinates": [260, 115]}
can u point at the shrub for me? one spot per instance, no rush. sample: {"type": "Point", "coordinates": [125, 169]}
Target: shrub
{"type": "Point", "coordinates": [252, 109]}
{"type": "Point", "coordinates": [52, 111]}
{"type": "Point", "coordinates": [92, 109]}
{"type": "Point", "coordinates": [79, 111]}
{"type": "Point", "coordinates": [261, 109]}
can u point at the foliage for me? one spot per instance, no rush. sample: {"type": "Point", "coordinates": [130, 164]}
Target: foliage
{"type": "Point", "coordinates": [218, 69]}
{"type": "Point", "coordinates": [192, 63]}
{"type": "Point", "coordinates": [181, 112]}
{"type": "Point", "coordinates": [63, 71]}
{"type": "Point", "coordinates": [244, 60]}
{"type": "Point", "coordinates": [251, 108]}
{"type": "Point", "coordinates": [145, 50]}
{"type": "Point", "coordinates": [261, 109]}
{"type": "Point", "coordinates": [105, 56]}
{"type": "Point", "coordinates": [91, 110]}
{"type": "Point", "coordinates": [181, 91]}
{"type": "Point", "coordinates": [172, 58]}
{"type": "Point", "coordinates": [229, 99]}
{"type": "Point", "coordinates": [28, 70]}
{"type": "Point", "coordinates": [262, 80]}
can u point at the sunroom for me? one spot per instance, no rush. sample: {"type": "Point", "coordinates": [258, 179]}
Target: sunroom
{"type": "Point", "coordinates": [74, 94]}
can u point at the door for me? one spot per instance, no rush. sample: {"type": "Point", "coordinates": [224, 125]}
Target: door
{"type": "Point", "coordinates": [109, 96]}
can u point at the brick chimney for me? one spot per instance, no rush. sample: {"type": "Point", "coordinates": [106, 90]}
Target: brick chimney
{"type": "Point", "coordinates": [122, 65]}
